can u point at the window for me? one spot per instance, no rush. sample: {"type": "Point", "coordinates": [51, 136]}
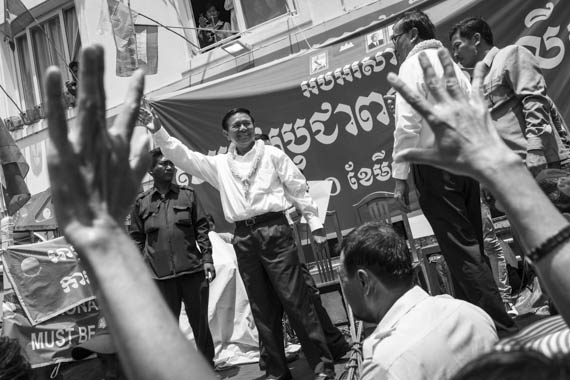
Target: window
{"type": "Point", "coordinates": [55, 41]}
{"type": "Point", "coordinates": [260, 11]}
{"type": "Point", "coordinates": [219, 19]}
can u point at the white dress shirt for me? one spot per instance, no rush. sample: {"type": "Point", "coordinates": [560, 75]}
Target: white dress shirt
{"type": "Point", "coordinates": [276, 186]}
{"type": "Point", "coordinates": [411, 129]}
{"type": "Point", "coordinates": [426, 338]}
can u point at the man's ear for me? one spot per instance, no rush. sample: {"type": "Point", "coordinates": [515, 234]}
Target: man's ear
{"type": "Point", "coordinates": [414, 35]}
{"type": "Point", "coordinates": [226, 134]}
{"type": "Point", "coordinates": [476, 39]}
{"type": "Point", "coordinates": [363, 278]}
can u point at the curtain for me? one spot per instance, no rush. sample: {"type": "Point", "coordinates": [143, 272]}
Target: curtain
{"type": "Point", "coordinates": [47, 45]}
{"type": "Point", "coordinates": [72, 34]}
{"type": "Point", "coordinates": [25, 72]}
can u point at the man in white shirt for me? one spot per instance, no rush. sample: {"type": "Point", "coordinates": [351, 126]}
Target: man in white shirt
{"type": "Point", "coordinates": [257, 183]}
{"type": "Point", "coordinates": [450, 202]}
{"type": "Point", "coordinates": [418, 337]}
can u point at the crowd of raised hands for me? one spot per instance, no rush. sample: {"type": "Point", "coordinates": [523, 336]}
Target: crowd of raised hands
{"type": "Point", "coordinates": [95, 173]}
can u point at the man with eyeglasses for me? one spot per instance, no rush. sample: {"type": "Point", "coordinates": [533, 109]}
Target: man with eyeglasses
{"type": "Point", "coordinates": [450, 202]}
{"type": "Point", "coordinates": [257, 183]}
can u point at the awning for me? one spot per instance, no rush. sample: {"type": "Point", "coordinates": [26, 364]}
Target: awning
{"type": "Point", "coordinates": [36, 215]}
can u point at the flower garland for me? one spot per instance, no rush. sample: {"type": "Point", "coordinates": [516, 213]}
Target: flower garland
{"type": "Point", "coordinates": [259, 148]}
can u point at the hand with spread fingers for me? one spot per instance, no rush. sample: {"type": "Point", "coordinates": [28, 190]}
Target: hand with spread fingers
{"type": "Point", "coordinates": [92, 178]}
{"type": "Point", "coordinates": [466, 141]}
{"type": "Point", "coordinates": [94, 183]}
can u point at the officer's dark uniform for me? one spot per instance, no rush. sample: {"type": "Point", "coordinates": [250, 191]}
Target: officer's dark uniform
{"type": "Point", "coordinates": [167, 228]}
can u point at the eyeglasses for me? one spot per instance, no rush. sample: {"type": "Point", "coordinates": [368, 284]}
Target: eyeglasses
{"type": "Point", "coordinates": [396, 36]}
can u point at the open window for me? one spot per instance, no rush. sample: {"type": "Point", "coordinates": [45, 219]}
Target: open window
{"type": "Point", "coordinates": [213, 21]}
{"type": "Point", "coordinates": [53, 41]}
{"type": "Point", "coordinates": [217, 20]}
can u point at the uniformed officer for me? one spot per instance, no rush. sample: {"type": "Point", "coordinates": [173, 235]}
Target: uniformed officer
{"type": "Point", "coordinates": [171, 230]}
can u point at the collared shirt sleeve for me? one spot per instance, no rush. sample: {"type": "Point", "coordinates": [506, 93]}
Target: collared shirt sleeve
{"type": "Point", "coordinates": [193, 163]}
{"type": "Point", "coordinates": [136, 229]}
{"type": "Point", "coordinates": [527, 81]}
{"type": "Point", "coordinates": [201, 230]}
{"type": "Point", "coordinates": [296, 188]}
{"type": "Point", "coordinates": [408, 121]}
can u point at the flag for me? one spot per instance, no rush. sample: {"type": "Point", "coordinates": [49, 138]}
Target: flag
{"type": "Point", "coordinates": [147, 48]}
{"type": "Point", "coordinates": [48, 278]}
{"type": "Point", "coordinates": [136, 45]}
{"type": "Point", "coordinates": [15, 168]}
{"type": "Point", "coordinates": [16, 18]}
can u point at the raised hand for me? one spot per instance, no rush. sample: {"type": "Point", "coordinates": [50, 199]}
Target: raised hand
{"type": "Point", "coordinates": [466, 141]}
{"type": "Point", "coordinates": [93, 180]}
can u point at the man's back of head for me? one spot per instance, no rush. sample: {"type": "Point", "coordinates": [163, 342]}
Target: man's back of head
{"type": "Point", "coordinates": [376, 269]}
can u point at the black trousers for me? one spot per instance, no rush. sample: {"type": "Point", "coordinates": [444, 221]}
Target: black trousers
{"type": "Point", "coordinates": [452, 206]}
{"type": "Point", "coordinates": [193, 289]}
{"type": "Point", "coordinates": [272, 275]}
{"type": "Point", "coordinates": [336, 342]}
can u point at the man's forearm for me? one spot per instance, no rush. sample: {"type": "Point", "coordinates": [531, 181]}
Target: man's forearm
{"type": "Point", "coordinates": [202, 230]}
{"type": "Point", "coordinates": [151, 342]}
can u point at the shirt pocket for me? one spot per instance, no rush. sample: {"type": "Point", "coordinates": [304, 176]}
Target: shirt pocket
{"type": "Point", "coordinates": [182, 215]}
{"type": "Point", "coordinates": [150, 221]}
{"type": "Point", "coordinates": [496, 90]}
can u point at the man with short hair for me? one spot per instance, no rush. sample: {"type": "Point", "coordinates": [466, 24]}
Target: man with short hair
{"type": "Point", "coordinates": [515, 89]}
{"type": "Point", "coordinates": [450, 202]}
{"type": "Point", "coordinates": [257, 183]}
{"type": "Point", "coordinates": [171, 230]}
{"type": "Point", "coordinates": [417, 336]}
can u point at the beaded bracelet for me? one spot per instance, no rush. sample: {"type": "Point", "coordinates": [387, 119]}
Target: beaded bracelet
{"type": "Point", "coordinates": [549, 245]}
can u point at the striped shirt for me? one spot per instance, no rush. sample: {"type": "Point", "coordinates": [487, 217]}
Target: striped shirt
{"type": "Point", "coordinates": [550, 336]}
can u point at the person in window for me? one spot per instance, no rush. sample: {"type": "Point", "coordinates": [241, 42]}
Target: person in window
{"type": "Point", "coordinates": [71, 85]}
{"type": "Point", "coordinates": [212, 29]}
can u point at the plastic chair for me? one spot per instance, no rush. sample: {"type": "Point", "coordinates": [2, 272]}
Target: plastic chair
{"type": "Point", "coordinates": [327, 279]}
{"type": "Point", "coordinates": [381, 206]}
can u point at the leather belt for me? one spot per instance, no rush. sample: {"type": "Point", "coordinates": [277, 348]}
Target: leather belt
{"type": "Point", "coordinates": [263, 218]}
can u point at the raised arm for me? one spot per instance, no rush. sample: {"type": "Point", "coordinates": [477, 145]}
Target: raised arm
{"type": "Point", "coordinates": [193, 163]}
{"type": "Point", "coordinates": [467, 143]}
{"type": "Point", "coordinates": [93, 184]}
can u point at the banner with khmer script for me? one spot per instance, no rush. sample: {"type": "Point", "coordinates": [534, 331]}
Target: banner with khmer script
{"type": "Point", "coordinates": [47, 277]}
{"type": "Point", "coordinates": [327, 107]}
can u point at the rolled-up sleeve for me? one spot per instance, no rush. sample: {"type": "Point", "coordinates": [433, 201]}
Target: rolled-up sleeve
{"type": "Point", "coordinates": [528, 83]}
{"type": "Point", "coordinates": [408, 121]}
{"type": "Point", "coordinates": [297, 190]}
{"type": "Point", "coordinates": [193, 163]}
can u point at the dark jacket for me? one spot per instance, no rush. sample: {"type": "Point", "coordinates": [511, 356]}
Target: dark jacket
{"type": "Point", "coordinates": [167, 228]}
